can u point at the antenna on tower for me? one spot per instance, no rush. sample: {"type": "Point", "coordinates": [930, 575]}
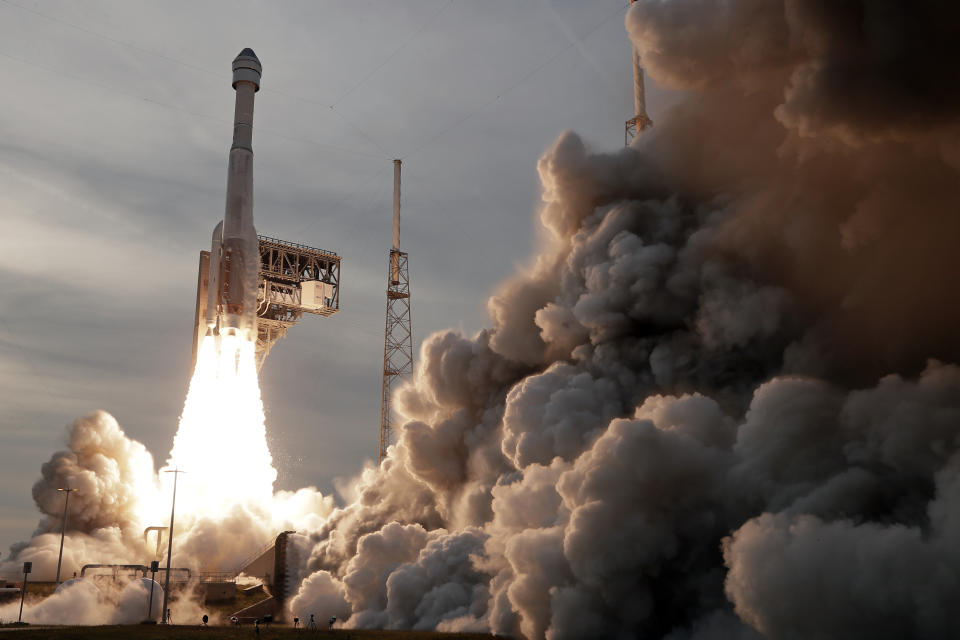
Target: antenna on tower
{"type": "Point", "coordinates": [398, 333]}
{"type": "Point", "coordinates": [641, 121]}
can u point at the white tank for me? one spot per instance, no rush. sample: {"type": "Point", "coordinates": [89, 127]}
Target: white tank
{"type": "Point", "coordinates": [134, 601]}
{"type": "Point", "coordinates": [138, 585]}
{"type": "Point", "coordinates": [79, 583]}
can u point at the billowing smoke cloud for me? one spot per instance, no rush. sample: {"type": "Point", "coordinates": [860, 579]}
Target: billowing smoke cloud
{"type": "Point", "coordinates": [109, 471]}
{"type": "Point", "coordinates": [118, 494]}
{"type": "Point", "coordinates": [718, 403]}
{"type": "Point", "coordinates": [113, 478]}
{"type": "Point", "coordinates": [97, 602]}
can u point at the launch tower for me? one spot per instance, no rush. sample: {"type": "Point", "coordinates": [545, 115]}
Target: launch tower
{"type": "Point", "coordinates": [641, 121]}
{"type": "Point", "coordinates": [294, 279]}
{"type": "Point", "coordinates": [398, 334]}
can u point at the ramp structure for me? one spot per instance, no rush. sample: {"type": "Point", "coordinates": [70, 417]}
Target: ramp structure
{"type": "Point", "coordinates": [271, 565]}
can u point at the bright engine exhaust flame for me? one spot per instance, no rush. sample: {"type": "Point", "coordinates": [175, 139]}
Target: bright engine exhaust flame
{"type": "Point", "coordinates": [221, 441]}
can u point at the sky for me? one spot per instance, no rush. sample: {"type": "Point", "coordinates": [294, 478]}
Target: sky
{"type": "Point", "coordinates": [114, 132]}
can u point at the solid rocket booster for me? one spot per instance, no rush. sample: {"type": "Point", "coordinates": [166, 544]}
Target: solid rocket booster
{"type": "Point", "coordinates": [234, 251]}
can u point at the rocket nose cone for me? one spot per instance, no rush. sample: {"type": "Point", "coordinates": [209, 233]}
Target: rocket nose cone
{"type": "Point", "coordinates": [247, 68]}
{"type": "Point", "coordinates": [247, 53]}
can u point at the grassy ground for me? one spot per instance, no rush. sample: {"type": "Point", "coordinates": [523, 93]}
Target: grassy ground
{"type": "Point", "coordinates": [157, 632]}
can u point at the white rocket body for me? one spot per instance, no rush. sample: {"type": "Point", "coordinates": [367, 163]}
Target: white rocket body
{"type": "Point", "coordinates": [234, 251]}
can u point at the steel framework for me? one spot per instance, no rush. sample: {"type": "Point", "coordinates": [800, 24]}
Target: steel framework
{"type": "Point", "coordinates": [641, 121]}
{"type": "Point", "coordinates": [284, 267]}
{"type": "Point", "coordinates": [636, 126]}
{"type": "Point", "coordinates": [397, 342]}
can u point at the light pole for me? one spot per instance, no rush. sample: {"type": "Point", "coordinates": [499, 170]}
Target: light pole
{"type": "Point", "coordinates": [27, 568]}
{"type": "Point", "coordinates": [63, 527]}
{"type": "Point", "coordinates": [166, 586]}
{"type": "Point", "coordinates": [154, 567]}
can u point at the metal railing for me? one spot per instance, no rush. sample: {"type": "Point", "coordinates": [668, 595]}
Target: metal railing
{"type": "Point", "coordinates": [217, 576]}
{"type": "Point", "coordinates": [253, 556]}
{"type": "Point", "coordinates": [296, 245]}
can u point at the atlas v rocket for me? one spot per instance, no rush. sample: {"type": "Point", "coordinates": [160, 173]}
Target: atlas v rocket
{"type": "Point", "coordinates": [243, 289]}
{"type": "Point", "coordinates": [231, 304]}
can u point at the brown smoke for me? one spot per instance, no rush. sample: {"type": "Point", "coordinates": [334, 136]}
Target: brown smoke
{"type": "Point", "coordinates": [118, 495]}
{"type": "Point", "coordinates": [683, 422]}
{"type": "Point", "coordinates": [720, 401]}
{"type": "Point", "coordinates": [111, 475]}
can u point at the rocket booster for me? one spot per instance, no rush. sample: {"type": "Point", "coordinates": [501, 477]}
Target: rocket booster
{"type": "Point", "coordinates": [234, 251]}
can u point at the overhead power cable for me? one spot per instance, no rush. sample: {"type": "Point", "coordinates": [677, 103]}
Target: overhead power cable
{"type": "Point", "coordinates": [201, 69]}
{"type": "Point", "coordinates": [182, 109]}
{"type": "Point", "coordinates": [516, 84]}
{"type": "Point", "coordinates": [331, 106]}
{"type": "Point", "coordinates": [390, 57]}
{"type": "Point", "coordinates": [111, 39]}
{"type": "Point", "coordinates": [348, 196]}
{"type": "Point", "coordinates": [469, 115]}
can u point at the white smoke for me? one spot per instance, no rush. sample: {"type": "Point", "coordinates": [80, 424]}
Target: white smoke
{"type": "Point", "coordinates": [680, 424]}
{"type": "Point", "coordinates": [718, 404]}
{"type": "Point", "coordinates": [92, 601]}
{"type": "Point", "coordinates": [118, 494]}
{"type": "Point", "coordinates": [114, 480]}
{"type": "Point", "coordinates": [76, 604]}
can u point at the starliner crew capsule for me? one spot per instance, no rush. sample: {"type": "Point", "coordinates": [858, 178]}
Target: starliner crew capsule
{"type": "Point", "coordinates": [231, 307]}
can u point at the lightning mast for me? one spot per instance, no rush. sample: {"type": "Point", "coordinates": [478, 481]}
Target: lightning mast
{"type": "Point", "coordinates": [398, 334]}
{"type": "Point", "coordinates": [641, 121]}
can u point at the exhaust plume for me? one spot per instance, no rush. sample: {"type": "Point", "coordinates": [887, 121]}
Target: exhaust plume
{"type": "Point", "coordinates": [119, 494]}
{"type": "Point", "coordinates": [718, 403]}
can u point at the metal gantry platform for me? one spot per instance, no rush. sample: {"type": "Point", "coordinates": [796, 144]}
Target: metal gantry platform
{"type": "Point", "coordinates": [294, 279]}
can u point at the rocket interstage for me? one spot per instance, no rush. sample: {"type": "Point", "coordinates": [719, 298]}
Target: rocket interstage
{"type": "Point", "coordinates": [234, 251]}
